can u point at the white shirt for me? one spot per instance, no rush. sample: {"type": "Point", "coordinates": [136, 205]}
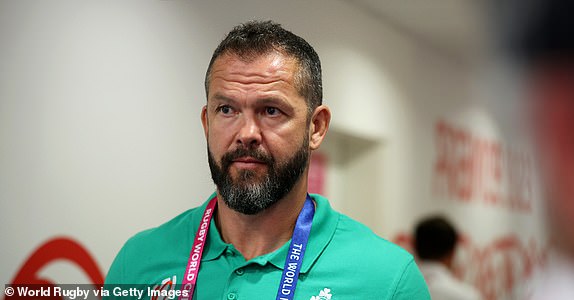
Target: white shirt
{"type": "Point", "coordinates": [444, 286]}
{"type": "Point", "coordinates": [556, 280]}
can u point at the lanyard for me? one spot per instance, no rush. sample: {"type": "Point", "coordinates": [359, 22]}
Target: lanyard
{"type": "Point", "coordinates": [293, 262]}
{"type": "Point", "coordinates": [190, 276]}
{"type": "Point", "coordinates": [296, 252]}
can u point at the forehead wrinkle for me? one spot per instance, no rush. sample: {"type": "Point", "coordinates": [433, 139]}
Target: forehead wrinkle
{"type": "Point", "coordinates": [264, 86]}
{"type": "Point", "coordinates": [236, 67]}
{"type": "Point", "coordinates": [234, 91]}
{"type": "Point", "coordinates": [253, 87]}
{"type": "Point", "coordinates": [255, 79]}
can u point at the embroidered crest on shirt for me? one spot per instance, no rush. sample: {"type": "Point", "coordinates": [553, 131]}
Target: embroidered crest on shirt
{"type": "Point", "coordinates": [324, 294]}
{"type": "Point", "coordinates": [162, 291]}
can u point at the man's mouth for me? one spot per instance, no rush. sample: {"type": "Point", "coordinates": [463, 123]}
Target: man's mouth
{"type": "Point", "coordinates": [248, 162]}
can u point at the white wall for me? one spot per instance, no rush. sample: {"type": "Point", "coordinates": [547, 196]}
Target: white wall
{"type": "Point", "coordinates": [99, 118]}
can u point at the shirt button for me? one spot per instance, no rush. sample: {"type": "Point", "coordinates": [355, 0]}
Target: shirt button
{"type": "Point", "coordinates": [231, 296]}
{"type": "Point", "coordinates": [229, 252]}
{"type": "Point", "coordinates": [240, 271]}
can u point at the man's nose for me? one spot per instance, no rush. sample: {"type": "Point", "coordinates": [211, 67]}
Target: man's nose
{"type": "Point", "coordinates": [249, 134]}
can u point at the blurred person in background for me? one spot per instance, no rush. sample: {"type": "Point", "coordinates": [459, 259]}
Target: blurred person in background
{"type": "Point", "coordinates": [435, 245]}
{"type": "Point", "coordinates": [541, 40]}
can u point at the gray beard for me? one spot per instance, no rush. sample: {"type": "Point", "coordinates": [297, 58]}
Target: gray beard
{"type": "Point", "coordinates": [251, 196]}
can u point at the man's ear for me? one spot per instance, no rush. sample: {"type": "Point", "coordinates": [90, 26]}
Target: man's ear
{"type": "Point", "coordinates": [319, 126]}
{"type": "Point", "coordinates": [204, 120]}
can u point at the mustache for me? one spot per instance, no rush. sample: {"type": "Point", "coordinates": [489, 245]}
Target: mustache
{"type": "Point", "coordinates": [229, 157]}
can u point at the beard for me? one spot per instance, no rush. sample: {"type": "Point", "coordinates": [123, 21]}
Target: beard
{"type": "Point", "coordinates": [249, 193]}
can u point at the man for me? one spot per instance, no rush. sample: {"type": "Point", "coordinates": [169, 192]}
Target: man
{"type": "Point", "coordinates": [543, 42]}
{"type": "Point", "coordinates": [267, 239]}
{"type": "Point", "coordinates": [435, 245]}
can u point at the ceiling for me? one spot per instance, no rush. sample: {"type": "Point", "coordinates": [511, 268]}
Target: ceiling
{"type": "Point", "coordinates": [454, 27]}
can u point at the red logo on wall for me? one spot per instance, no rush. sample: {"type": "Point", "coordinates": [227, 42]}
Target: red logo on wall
{"type": "Point", "coordinates": [56, 249]}
{"type": "Point", "coordinates": [470, 168]}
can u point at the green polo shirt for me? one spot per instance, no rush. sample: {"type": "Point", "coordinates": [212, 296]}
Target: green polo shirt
{"type": "Point", "coordinates": [344, 260]}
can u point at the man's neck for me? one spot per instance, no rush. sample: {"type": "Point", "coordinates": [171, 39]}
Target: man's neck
{"type": "Point", "coordinates": [265, 232]}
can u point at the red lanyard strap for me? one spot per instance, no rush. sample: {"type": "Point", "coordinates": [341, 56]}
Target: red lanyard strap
{"type": "Point", "coordinates": [190, 277]}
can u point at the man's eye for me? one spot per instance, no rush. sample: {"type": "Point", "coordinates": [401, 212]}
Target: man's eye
{"type": "Point", "coordinates": [272, 111]}
{"type": "Point", "coordinates": [225, 109]}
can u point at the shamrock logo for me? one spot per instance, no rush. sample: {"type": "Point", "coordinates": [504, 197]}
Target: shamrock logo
{"type": "Point", "coordinates": [324, 294]}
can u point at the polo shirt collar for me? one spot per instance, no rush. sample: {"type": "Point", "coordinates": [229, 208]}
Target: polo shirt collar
{"type": "Point", "coordinates": [323, 228]}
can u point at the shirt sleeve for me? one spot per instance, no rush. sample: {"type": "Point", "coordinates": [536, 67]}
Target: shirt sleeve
{"type": "Point", "coordinates": [115, 273]}
{"type": "Point", "coordinates": [116, 281]}
{"type": "Point", "coordinates": [412, 285]}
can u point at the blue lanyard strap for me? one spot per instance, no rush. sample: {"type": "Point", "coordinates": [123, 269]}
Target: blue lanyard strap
{"type": "Point", "coordinates": [296, 252]}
